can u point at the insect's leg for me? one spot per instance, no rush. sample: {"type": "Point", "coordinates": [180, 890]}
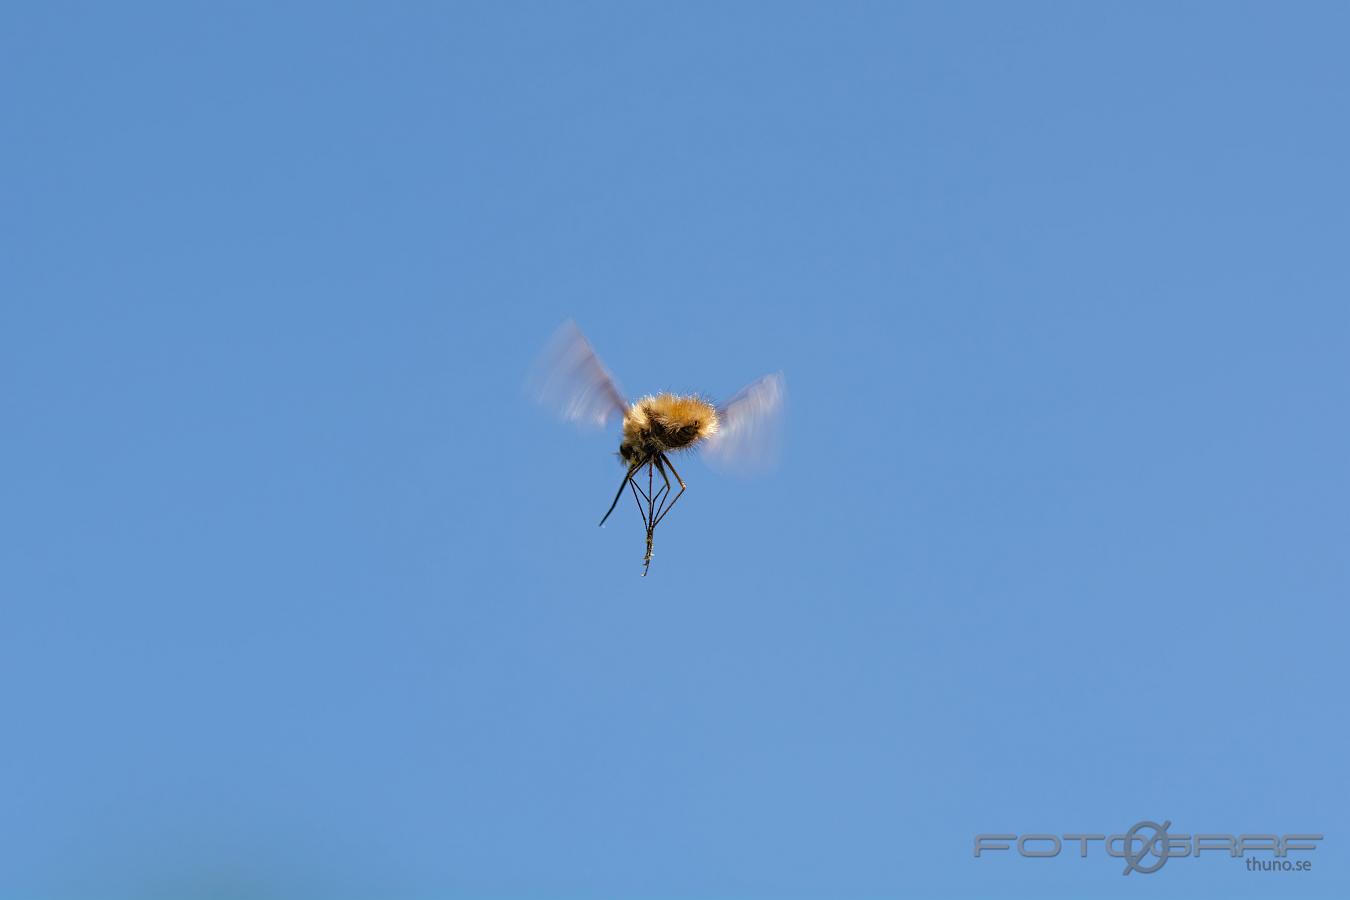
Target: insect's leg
{"type": "Point", "coordinates": [666, 461]}
{"type": "Point", "coordinates": [652, 499]}
{"type": "Point", "coordinates": [652, 507]}
{"type": "Point", "coordinates": [638, 496]}
{"type": "Point", "coordinates": [623, 484]}
{"type": "Point", "coordinates": [653, 511]}
{"type": "Point", "coordinates": [636, 484]}
{"type": "Point", "coordinates": [665, 491]}
{"type": "Point", "coordinates": [661, 495]}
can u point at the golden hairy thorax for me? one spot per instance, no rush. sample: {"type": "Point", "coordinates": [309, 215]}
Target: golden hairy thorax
{"type": "Point", "coordinates": [656, 424]}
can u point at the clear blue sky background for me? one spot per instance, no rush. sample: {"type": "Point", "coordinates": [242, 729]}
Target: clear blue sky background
{"type": "Point", "coordinates": [301, 598]}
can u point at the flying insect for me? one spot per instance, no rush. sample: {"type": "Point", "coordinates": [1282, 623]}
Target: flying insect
{"type": "Point", "coordinates": [736, 435]}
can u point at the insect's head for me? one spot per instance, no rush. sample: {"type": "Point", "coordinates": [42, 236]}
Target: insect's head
{"type": "Point", "coordinates": [626, 453]}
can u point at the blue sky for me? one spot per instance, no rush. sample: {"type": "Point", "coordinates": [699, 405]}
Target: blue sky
{"type": "Point", "coordinates": [302, 598]}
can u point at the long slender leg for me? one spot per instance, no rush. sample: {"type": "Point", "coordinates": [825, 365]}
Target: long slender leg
{"type": "Point", "coordinates": [623, 484]}
{"type": "Point", "coordinates": [649, 517]}
{"type": "Point", "coordinates": [653, 500]}
{"type": "Point", "coordinates": [638, 496]}
{"type": "Point", "coordinates": [666, 460]}
{"type": "Point", "coordinates": [661, 507]}
{"type": "Point", "coordinates": [659, 499]}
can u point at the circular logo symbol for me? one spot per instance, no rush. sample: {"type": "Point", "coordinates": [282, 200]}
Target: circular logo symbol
{"type": "Point", "coordinates": [1157, 845]}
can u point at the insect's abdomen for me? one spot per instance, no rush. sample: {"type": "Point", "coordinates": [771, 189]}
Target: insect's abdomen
{"type": "Point", "coordinates": [666, 422]}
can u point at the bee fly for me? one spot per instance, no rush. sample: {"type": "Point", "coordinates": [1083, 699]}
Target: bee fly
{"type": "Point", "coordinates": [735, 435]}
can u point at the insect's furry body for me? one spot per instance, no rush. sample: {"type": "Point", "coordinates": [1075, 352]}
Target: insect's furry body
{"type": "Point", "coordinates": [658, 423]}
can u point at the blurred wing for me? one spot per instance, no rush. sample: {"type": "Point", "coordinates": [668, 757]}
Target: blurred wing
{"type": "Point", "coordinates": [570, 380]}
{"type": "Point", "coordinates": [747, 440]}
